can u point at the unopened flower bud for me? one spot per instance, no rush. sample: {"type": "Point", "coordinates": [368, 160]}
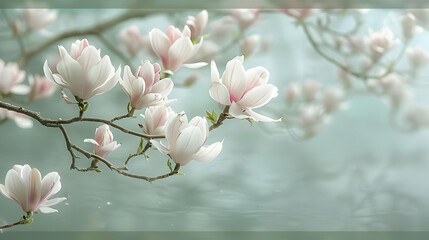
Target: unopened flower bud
{"type": "Point", "coordinates": [249, 44]}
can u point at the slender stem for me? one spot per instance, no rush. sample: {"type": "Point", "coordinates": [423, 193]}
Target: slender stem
{"type": "Point", "coordinates": [13, 224]}
{"type": "Point", "coordinates": [26, 219]}
{"type": "Point", "coordinates": [222, 117]}
{"type": "Point", "coordinates": [142, 152]}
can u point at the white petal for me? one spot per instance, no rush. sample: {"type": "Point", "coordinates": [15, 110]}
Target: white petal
{"type": "Point", "coordinates": [23, 122]}
{"type": "Point", "coordinates": [160, 147]}
{"type": "Point", "coordinates": [52, 202]}
{"type": "Point", "coordinates": [236, 111]}
{"type": "Point", "coordinates": [261, 118]}
{"type": "Point", "coordinates": [180, 51]}
{"type": "Point", "coordinates": [160, 43]}
{"type": "Point", "coordinates": [163, 87]}
{"type": "Point", "coordinates": [219, 93]}
{"type": "Point", "coordinates": [109, 83]}
{"type": "Point", "coordinates": [4, 191]}
{"type": "Point", "coordinates": [256, 76]}
{"type": "Point", "coordinates": [214, 72]}
{"type": "Point", "coordinates": [234, 79]}
{"type": "Point", "coordinates": [47, 210]}
{"type": "Point", "coordinates": [195, 65]}
{"type": "Point", "coordinates": [71, 71]}
{"type": "Point", "coordinates": [206, 154]}
{"type": "Point", "coordinates": [20, 89]}
{"type": "Point", "coordinates": [89, 57]}
{"type": "Point", "coordinates": [91, 141]}
{"type": "Point", "coordinates": [50, 185]}
{"type": "Point", "coordinates": [174, 126]}
{"type": "Point", "coordinates": [17, 189]}
{"type": "Point", "coordinates": [105, 150]}
{"type": "Point", "coordinates": [202, 124]}
{"type": "Point", "coordinates": [147, 72]}
{"type": "Point", "coordinates": [34, 189]}
{"type": "Point", "coordinates": [258, 96]}
{"type": "Point", "coordinates": [189, 141]}
{"type": "Point", "coordinates": [99, 77]}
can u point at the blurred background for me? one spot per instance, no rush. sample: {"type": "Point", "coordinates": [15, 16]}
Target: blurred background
{"type": "Point", "coordinates": [363, 167]}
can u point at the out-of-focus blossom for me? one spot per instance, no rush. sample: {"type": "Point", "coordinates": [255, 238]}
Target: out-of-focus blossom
{"type": "Point", "coordinates": [25, 186]}
{"type": "Point", "coordinates": [145, 88]}
{"type": "Point", "coordinates": [40, 87]}
{"type": "Point", "coordinates": [222, 28]}
{"type": "Point", "coordinates": [398, 95]}
{"type": "Point", "coordinates": [23, 121]}
{"type": "Point", "coordinates": [10, 79]}
{"type": "Point", "coordinates": [131, 39]}
{"type": "Point", "coordinates": [103, 142]}
{"type": "Point", "coordinates": [83, 72]}
{"type": "Point", "coordinates": [242, 90]}
{"type": "Point", "coordinates": [418, 56]}
{"type": "Point", "coordinates": [393, 87]}
{"type": "Point", "coordinates": [207, 52]}
{"type": "Point", "coordinates": [36, 19]}
{"type": "Point", "coordinates": [332, 99]}
{"type": "Point", "coordinates": [300, 14]}
{"type": "Point", "coordinates": [197, 24]}
{"type": "Point", "coordinates": [422, 17]}
{"type": "Point", "coordinates": [409, 27]}
{"type": "Point", "coordinates": [249, 44]}
{"type": "Point", "coordinates": [245, 17]}
{"type": "Point", "coordinates": [417, 116]}
{"type": "Point", "coordinates": [174, 48]}
{"type": "Point", "coordinates": [356, 44]}
{"type": "Point", "coordinates": [292, 92]}
{"type": "Point", "coordinates": [186, 140]}
{"type": "Point", "coordinates": [310, 89]}
{"type": "Point", "coordinates": [380, 42]}
{"type": "Point", "coordinates": [310, 119]}
{"type": "Point", "coordinates": [155, 119]}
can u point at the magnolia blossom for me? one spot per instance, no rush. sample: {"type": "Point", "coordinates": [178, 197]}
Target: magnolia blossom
{"type": "Point", "coordinates": [23, 121]}
{"type": "Point", "coordinates": [249, 44]}
{"type": "Point", "coordinates": [311, 119]}
{"type": "Point", "coordinates": [418, 56]}
{"type": "Point", "coordinates": [145, 88]}
{"type": "Point", "coordinates": [242, 90]}
{"type": "Point", "coordinates": [36, 19]}
{"type": "Point", "coordinates": [10, 79]}
{"type": "Point", "coordinates": [197, 24]}
{"type": "Point", "coordinates": [25, 186]}
{"type": "Point", "coordinates": [380, 42]}
{"type": "Point", "coordinates": [83, 72]}
{"type": "Point", "coordinates": [155, 119]}
{"type": "Point", "coordinates": [103, 142]}
{"type": "Point", "coordinates": [300, 14]}
{"type": "Point", "coordinates": [174, 48]}
{"type": "Point", "coordinates": [292, 92]}
{"type": "Point", "coordinates": [245, 17]}
{"type": "Point", "coordinates": [417, 116]}
{"type": "Point", "coordinates": [41, 87]}
{"type": "Point", "coordinates": [185, 140]}
{"type": "Point", "coordinates": [131, 39]}
{"type": "Point", "coordinates": [310, 89]}
{"type": "Point", "coordinates": [332, 99]}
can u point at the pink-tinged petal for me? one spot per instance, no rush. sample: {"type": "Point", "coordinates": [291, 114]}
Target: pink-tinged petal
{"type": "Point", "coordinates": [202, 124]}
{"type": "Point", "coordinates": [160, 44]}
{"type": "Point", "coordinates": [186, 31]}
{"type": "Point", "coordinates": [234, 79]}
{"type": "Point", "coordinates": [71, 72]}
{"type": "Point", "coordinates": [214, 72]}
{"type": "Point", "coordinates": [5, 192]}
{"type": "Point", "coordinates": [89, 57]}
{"type": "Point", "coordinates": [66, 98]}
{"type": "Point", "coordinates": [255, 77]}
{"type": "Point", "coordinates": [163, 87]}
{"type": "Point", "coordinates": [109, 83]}
{"type": "Point", "coordinates": [206, 154]}
{"type": "Point", "coordinates": [180, 51]}
{"type": "Point", "coordinates": [17, 189]}
{"type": "Point", "coordinates": [51, 77]}
{"type": "Point", "coordinates": [189, 141]}
{"type": "Point", "coordinates": [258, 96]}
{"type": "Point", "coordinates": [18, 168]}
{"type": "Point", "coordinates": [107, 149]}
{"type": "Point", "coordinates": [47, 210]}
{"type": "Point", "coordinates": [195, 65]}
{"type": "Point", "coordinates": [20, 89]}
{"type": "Point", "coordinates": [88, 140]}
{"type": "Point", "coordinates": [219, 93]}
{"type": "Point", "coordinates": [147, 72]}
{"type": "Point", "coordinates": [160, 147]}
{"type": "Point", "coordinates": [150, 99]}
{"type": "Point", "coordinates": [127, 80]}
{"type": "Point", "coordinates": [50, 185]}
{"type": "Point", "coordinates": [148, 122]}
{"type": "Point", "coordinates": [34, 189]}
{"type": "Point", "coordinates": [236, 111]}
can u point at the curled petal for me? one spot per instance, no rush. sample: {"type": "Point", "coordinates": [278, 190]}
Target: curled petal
{"type": "Point", "coordinates": [258, 96]}
{"type": "Point", "coordinates": [219, 93]}
{"type": "Point", "coordinates": [206, 154]}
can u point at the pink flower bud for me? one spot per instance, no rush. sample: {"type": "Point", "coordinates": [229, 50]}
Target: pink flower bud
{"type": "Point", "coordinates": [25, 186]}
{"type": "Point", "coordinates": [292, 92]}
{"type": "Point", "coordinates": [332, 99]}
{"type": "Point", "coordinates": [197, 24]}
{"type": "Point", "coordinates": [155, 119]}
{"type": "Point", "coordinates": [408, 25]}
{"type": "Point", "coordinates": [103, 142]}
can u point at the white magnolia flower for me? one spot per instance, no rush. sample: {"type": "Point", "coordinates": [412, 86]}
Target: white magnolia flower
{"type": "Point", "coordinates": [103, 142]}
{"type": "Point", "coordinates": [10, 79]}
{"type": "Point", "coordinates": [380, 42]}
{"type": "Point", "coordinates": [332, 99]}
{"type": "Point", "coordinates": [25, 186]}
{"type": "Point", "coordinates": [186, 140]}
{"type": "Point", "coordinates": [242, 90]}
{"type": "Point", "coordinates": [23, 121]}
{"type": "Point", "coordinates": [249, 44]}
{"type": "Point", "coordinates": [83, 72]}
{"type": "Point", "coordinates": [131, 39]}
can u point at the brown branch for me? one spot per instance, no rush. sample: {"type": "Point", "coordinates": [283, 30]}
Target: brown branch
{"type": "Point", "coordinates": [222, 117]}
